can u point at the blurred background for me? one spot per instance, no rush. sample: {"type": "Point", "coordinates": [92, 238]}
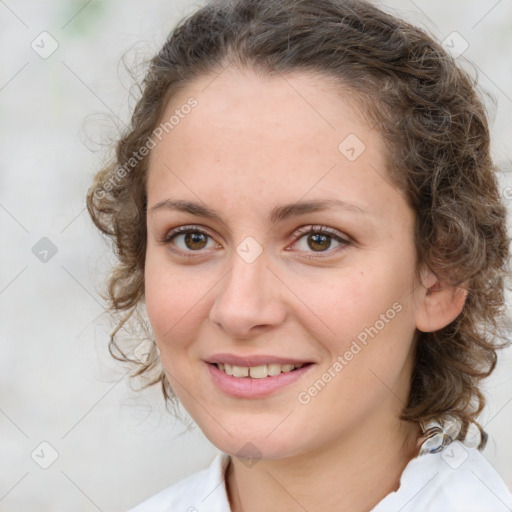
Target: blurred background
{"type": "Point", "coordinates": [74, 435]}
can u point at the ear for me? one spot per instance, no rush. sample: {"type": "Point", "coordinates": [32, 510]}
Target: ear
{"type": "Point", "coordinates": [437, 303]}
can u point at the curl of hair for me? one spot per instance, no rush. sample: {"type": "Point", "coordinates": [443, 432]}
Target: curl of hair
{"type": "Point", "coordinates": [434, 124]}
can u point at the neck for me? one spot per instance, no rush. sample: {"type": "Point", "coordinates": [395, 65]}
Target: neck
{"type": "Point", "coordinates": [353, 473]}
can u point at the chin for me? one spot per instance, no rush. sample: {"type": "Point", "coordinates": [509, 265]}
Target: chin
{"type": "Point", "coordinates": [255, 441]}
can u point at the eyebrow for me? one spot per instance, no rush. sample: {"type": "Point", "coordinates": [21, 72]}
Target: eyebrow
{"type": "Point", "coordinates": [278, 214]}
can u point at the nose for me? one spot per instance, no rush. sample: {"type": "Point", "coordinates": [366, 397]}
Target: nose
{"type": "Point", "coordinates": [248, 299]}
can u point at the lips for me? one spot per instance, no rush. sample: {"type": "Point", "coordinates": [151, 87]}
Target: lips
{"type": "Point", "coordinates": [255, 376]}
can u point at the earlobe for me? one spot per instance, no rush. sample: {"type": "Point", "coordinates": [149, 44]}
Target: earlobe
{"type": "Point", "coordinates": [438, 304]}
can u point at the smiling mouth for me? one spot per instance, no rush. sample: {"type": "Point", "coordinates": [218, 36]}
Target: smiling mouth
{"type": "Point", "coordinates": [258, 372]}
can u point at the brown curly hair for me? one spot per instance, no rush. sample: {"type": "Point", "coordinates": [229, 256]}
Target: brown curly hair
{"type": "Point", "coordinates": [428, 111]}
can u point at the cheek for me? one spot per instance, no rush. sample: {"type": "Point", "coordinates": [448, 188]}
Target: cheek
{"type": "Point", "coordinates": [177, 302]}
{"type": "Point", "coordinates": [168, 298]}
{"type": "Point", "coordinates": [339, 306]}
{"type": "Point", "coordinates": [376, 329]}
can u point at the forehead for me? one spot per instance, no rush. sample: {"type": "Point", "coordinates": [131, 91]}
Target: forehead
{"type": "Point", "coordinates": [251, 135]}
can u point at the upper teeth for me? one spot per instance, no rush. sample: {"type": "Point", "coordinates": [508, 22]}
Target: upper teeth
{"type": "Point", "coordinates": [257, 372]}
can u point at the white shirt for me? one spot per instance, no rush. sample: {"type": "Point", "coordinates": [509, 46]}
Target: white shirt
{"type": "Point", "coordinates": [458, 479]}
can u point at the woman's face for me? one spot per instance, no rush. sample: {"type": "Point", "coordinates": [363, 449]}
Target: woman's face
{"type": "Point", "coordinates": [294, 249]}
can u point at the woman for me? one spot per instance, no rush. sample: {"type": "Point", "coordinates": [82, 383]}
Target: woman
{"type": "Point", "coordinates": [306, 208]}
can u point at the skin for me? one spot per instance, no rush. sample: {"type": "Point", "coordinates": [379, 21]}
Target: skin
{"type": "Point", "coordinates": [253, 143]}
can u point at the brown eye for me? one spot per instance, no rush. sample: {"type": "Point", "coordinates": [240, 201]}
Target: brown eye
{"type": "Point", "coordinates": [320, 239]}
{"type": "Point", "coordinates": [188, 240]}
{"type": "Point", "coordinates": [319, 242]}
{"type": "Point", "coordinates": [195, 241]}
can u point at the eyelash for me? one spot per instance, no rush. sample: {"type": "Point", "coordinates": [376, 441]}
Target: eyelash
{"type": "Point", "coordinates": [300, 233]}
